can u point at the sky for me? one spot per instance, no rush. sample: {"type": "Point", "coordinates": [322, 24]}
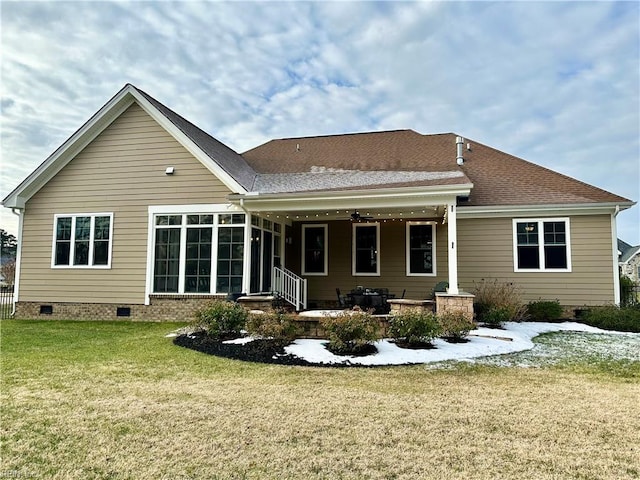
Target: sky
{"type": "Point", "coordinates": [555, 83]}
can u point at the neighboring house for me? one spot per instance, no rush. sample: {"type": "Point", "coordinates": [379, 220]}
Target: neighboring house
{"type": "Point", "coordinates": [629, 260]}
{"type": "Point", "coordinates": [142, 214]}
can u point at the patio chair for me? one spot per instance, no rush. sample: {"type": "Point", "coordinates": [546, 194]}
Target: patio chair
{"type": "Point", "coordinates": [342, 299]}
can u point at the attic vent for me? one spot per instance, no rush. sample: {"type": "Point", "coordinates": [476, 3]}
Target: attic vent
{"type": "Point", "coordinates": [459, 146]}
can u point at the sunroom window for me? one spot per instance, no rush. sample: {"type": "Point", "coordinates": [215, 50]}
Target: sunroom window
{"type": "Point", "coordinates": [198, 253]}
{"type": "Point", "coordinates": [542, 245]}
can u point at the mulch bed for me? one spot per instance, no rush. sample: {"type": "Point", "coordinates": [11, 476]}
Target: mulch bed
{"type": "Point", "coordinates": [262, 351]}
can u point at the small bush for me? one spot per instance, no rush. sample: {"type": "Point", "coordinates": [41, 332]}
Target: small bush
{"type": "Point", "coordinates": [544, 310]}
{"type": "Point", "coordinates": [497, 302]}
{"type": "Point", "coordinates": [222, 320]}
{"type": "Point", "coordinates": [278, 326]}
{"type": "Point", "coordinates": [622, 319]}
{"type": "Point", "coordinates": [495, 316]}
{"type": "Point", "coordinates": [455, 325]}
{"type": "Point", "coordinates": [414, 328]}
{"type": "Point", "coordinates": [351, 333]}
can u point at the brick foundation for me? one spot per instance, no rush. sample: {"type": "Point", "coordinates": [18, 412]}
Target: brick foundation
{"type": "Point", "coordinates": [176, 308]}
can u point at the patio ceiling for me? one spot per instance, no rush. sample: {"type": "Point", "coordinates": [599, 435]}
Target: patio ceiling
{"type": "Point", "coordinates": [376, 214]}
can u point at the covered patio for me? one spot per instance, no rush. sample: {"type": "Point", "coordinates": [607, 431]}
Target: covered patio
{"type": "Point", "coordinates": [343, 248]}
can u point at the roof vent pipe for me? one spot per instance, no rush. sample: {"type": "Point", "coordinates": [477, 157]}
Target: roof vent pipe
{"type": "Point", "coordinates": [459, 146]}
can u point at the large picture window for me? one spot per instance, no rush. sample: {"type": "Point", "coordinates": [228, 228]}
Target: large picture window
{"type": "Point", "coordinates": [82, 240]}
{"type": "Point", "coordinates": [186, 246]}
{"type": "Point", "coordinates": [366, 250]}
{"type": "Point", "coordinates": [421, 249]}
{"type": "Point", "coordinates": [542, 245]}
{"type": "Point", "coordinates": [314, 250]}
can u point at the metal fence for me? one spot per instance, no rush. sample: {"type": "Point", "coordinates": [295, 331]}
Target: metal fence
{"type": "Point", "coordinates": [6, 301]}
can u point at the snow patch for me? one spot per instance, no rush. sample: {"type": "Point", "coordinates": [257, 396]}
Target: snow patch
{"type": "Point", "coordinates": [483, 342]}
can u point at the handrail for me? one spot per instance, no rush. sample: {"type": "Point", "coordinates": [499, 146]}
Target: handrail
{"type": "Point", "coordinates": [290, 287]}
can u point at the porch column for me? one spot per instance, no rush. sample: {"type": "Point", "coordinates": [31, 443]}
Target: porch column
{"type": "Point", "coordinates": [452, 237]}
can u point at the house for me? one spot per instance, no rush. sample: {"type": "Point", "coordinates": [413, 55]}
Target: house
{"type": "Point", "coordinates": [141, 214]}
{"type": "Point", "coordinates": [629, 260]}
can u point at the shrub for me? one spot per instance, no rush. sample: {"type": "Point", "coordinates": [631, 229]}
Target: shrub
{"type": "Point", "coordinates": [455, 325]}
{"type": "Point", "coordinates": [351, 333]}
{"type": "Point", "coordinates": [497, 302]}
{"type": "Point", "coordinates": [222, 320]}
{"type": "Point", "coordinates": [276, 325]}
{"type": "Point", "coordinates": [495, 316]}
{"type": "Point", "coordinates": [544, 310]}
{"type": "Point", "coordinates": [414, 328]}
{"type": "Point", "coordinates": [611, 317]}
{"type": "Point", "coordinates": [629, 293]}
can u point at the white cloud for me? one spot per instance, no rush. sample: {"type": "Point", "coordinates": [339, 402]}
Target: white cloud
{"type": "Point", "coordinates": [556, 83]}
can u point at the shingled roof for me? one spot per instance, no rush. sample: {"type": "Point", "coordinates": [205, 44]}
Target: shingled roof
{"type": "Point", "coordinates": [498, 178]}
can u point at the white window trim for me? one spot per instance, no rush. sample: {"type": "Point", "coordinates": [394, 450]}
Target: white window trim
{"type": "Point", "coordinates": [408, 249]}
{"type": "Point", "coordinates": [205, 209]}
{"type": "Point", "coordinates": [541, 222]}
{"type": "Point", "coordinates": [353, 250]}
{"type": "Point", "coordinates": [73, 235]}
{"type": "Point", "coordinates": [325, 271]}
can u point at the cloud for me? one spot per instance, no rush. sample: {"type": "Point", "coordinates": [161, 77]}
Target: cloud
{"type": "Point", "coordinates": [556, 83]}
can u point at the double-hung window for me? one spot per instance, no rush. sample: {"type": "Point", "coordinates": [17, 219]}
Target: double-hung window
{"type": "Point", "coordinates": [82, 241]}
{"type": "Point", "coordinates": [421, 249]}
{"type": "Point", "coordinates": [366, 249]}
{"type": "Point", "coordinates": [542, 245]}
{"type": "Point", "coordinates": [314, 250]}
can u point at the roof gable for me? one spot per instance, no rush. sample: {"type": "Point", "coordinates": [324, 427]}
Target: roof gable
{"type": "Point", "coordinates": [219, 159]}
{"type": "Point", "coordinates": [629, 254]}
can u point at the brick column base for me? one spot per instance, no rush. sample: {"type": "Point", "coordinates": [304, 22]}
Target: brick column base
{"type": "Point", "coordinates": [463, 302]}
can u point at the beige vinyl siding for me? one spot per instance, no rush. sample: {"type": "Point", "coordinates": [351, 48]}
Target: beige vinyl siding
{"type": "Point", "coordinates": [121, 171]}
{"type": "Point", "coordinates": [485, 251]}
{"type": "Point", "coordinates": [392, 262]}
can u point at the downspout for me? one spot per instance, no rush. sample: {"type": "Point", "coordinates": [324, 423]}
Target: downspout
{"type": "Point", "coordinates": [614, 246]}
{"type": "Point", "coordinates": [16, 280]}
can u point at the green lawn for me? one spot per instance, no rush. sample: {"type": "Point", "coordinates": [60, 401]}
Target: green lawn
{"type": "Point", "coordinates": [115, 400]}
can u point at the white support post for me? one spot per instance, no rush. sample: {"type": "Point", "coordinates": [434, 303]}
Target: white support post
{"type": "Point", "coordinates": [616, 269]}
{"type": "Point", "coordinates": [452, 237]}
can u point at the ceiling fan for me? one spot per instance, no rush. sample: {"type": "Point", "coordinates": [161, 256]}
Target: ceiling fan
{"type": "Point", "coordinates": [355, 216]}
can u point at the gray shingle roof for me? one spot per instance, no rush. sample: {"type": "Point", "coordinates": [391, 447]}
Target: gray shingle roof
{"type": "Point", "coordinates": [329, 179]}
{"type": "Point", "coordinates": [629, 253]}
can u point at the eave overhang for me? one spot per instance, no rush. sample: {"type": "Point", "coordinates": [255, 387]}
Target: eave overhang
{"type": "Point", "coordinates": [399, 197]}
{"type": "Point", "coordinates": [542, 209]}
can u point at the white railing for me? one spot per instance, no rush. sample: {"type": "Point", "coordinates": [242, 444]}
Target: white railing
{"type": "Point", "coordinates": [290, 287]}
